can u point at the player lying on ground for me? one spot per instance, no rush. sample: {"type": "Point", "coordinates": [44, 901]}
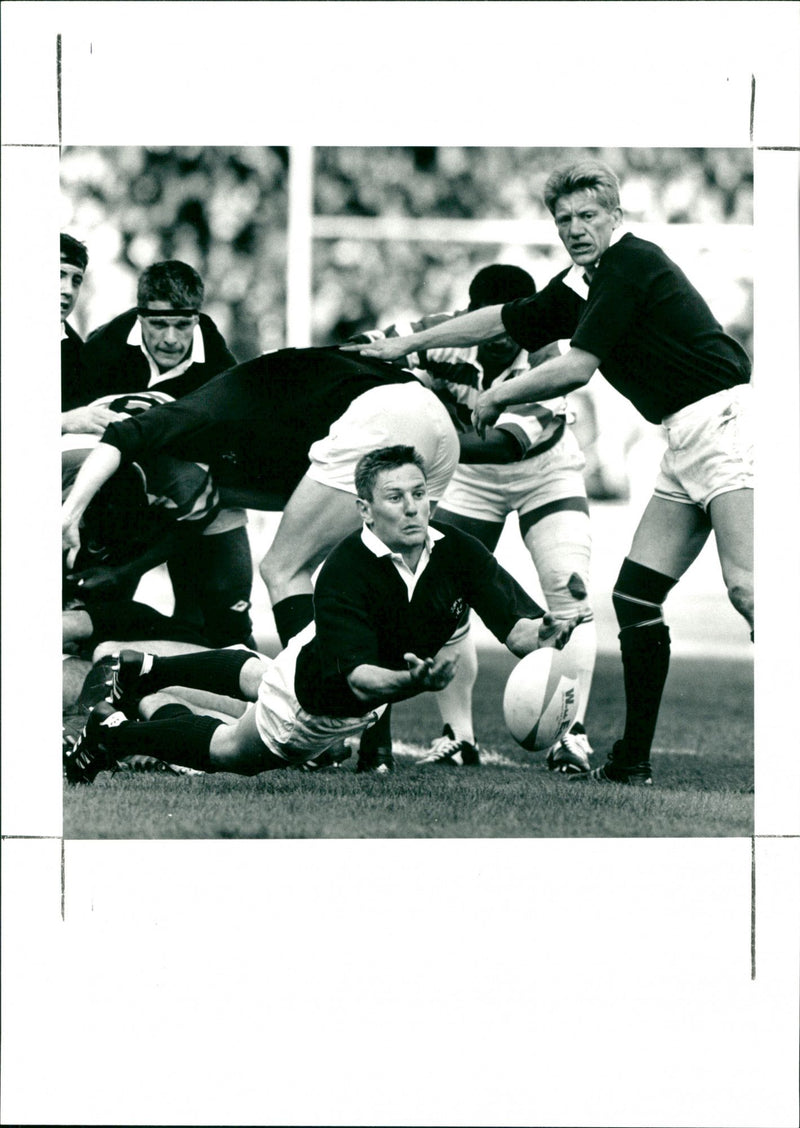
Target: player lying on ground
{"type": "Point", "coordinates": [531, 464]}
{"type": "Point", "coordinates": [386, 601]}
{"type": "Point", "coordinates": [631, 312]}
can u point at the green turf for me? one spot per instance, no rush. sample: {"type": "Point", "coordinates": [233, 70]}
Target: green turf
{"type": "Point", "coordinates": [703, 762]}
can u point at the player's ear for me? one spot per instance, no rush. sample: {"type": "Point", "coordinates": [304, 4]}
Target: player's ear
{"type": "Point", "coordinates": [364, 509]}
{"type": "Point", "coordinates": [617, 217]}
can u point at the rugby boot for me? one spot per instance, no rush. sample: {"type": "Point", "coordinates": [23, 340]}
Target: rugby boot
{"type": "Point", "coordinates": [90, 754]}
{"type": "Point", "coordinates": [379, 760]}
{"type": "Point", "coordinates": [97, 684]}
{"type": "Point", "coordinates": [571, 755]}
{"type": "Point", "coordinates": [126, 692]}
{"type": "Point", "coordinates": [446, 751]}
{"type": "Point", "coordinates": [618, 768]}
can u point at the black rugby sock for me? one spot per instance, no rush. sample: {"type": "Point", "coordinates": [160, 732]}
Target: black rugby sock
{"type": "Point", "coordinates": [292, 615]}
{"type": "Point", "coordinates": [175, 735]}
{"type": "Point", "coordinates": [645, 662]}
{"type": "Point", "coordinates": [216, 671]}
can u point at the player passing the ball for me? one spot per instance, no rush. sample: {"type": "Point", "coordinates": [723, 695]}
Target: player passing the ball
{"type": "Point", "coordinates": [630, 312]}
{"type": "Point", "coordinates": [528, 463]}
{"type": "Point", "coordinates": [386, 601]}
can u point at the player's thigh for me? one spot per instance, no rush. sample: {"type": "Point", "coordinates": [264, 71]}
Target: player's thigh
{"type": "Point", "coordinates": [560, 546]}
{"type": "Point", "coordinates": [732, 520]}
{"type": "Point", "coordinates": [239, 748]}
{"type": "Point", "coordinates": [669, 536]}
{"type": "Point", "coordinates": [315, 519]}
{"type": "Point", "coordinates": [200, 701]}
{"type": "Point", "coordinates": [406, 414]}
{"type": "Point", "coordinates": [487, 532]}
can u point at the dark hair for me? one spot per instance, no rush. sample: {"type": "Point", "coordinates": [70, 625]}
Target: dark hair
{"type": "Point", "coordinates": [371, 464]}
{"type": "Point", "coordinates": [497, 284]}
{"type": "Point", "coordinates": [582, 175]}
{"type": "Point", "coordinates": [74, 252]}
{"type": "Point", "coordinates": [172, 281]}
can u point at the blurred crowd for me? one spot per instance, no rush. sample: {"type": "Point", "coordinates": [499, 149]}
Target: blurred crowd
{"type": "Point", "coordinates": [225, 212]}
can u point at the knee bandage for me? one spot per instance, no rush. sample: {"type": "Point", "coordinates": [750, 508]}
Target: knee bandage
{"type": "Point", "coordinates": [638, 596]}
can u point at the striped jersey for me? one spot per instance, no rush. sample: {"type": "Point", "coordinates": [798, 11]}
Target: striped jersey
{"type": "Point", "coordinates": [457, 377]}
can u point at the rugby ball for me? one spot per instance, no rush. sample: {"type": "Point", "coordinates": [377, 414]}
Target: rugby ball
{"type": "Point", "coordinates": [541, 698]}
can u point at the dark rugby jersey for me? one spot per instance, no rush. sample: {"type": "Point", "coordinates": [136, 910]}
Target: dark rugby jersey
{"type": "Point", "coordinates": [363, 613]}
{"type": "Point", "coordinates": [264, 414]}
{"type": "Point", "coordinates": [656, 339]}
{"type": "Point", "coordinates": [71, 346]}
{"type": "Point", "coordinates": [110, 366]}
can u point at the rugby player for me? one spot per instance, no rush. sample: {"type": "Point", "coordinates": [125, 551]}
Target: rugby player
{"type": "Point", "coordinates": [74, 260]}
{"type": "Point", "coordinates": [387, 599]}
{"type": "Point", "coordinates": [166, 342]}
{"type": "Point", "coordinates": [167, 346]}
{"type": "Point", "coordinates": [286, 429]}
{"type": "Point", "coordinates": [628, 310]}
{"type": "Point", "coordinates": [531, 464]}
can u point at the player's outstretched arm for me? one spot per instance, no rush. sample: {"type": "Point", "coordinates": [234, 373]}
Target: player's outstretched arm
{"type": "Point", "coordinates": [95, 472]}
{"type": "Point", "coordinates": [555, 377]}
{"type": "Point", "coordinates": [375, 685]}
{"type": "Point", "coordinates": [468, 329]}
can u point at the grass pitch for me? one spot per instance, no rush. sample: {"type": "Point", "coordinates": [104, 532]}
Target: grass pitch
{"type": "Point", "coordinates": [703, 765]}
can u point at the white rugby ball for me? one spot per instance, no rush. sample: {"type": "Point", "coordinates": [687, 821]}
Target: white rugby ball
{"type": "Point", "coordinates": [541, 698]}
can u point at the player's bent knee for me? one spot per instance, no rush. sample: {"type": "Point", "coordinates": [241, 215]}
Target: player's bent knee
{"type": "Point", "coordinates": [741, 596]}
{"type": "Point", "coordinates": [233, 749]}
{"type": "Point", "coordinates": [251, 674]}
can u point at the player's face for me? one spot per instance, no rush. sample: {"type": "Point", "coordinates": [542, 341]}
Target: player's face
{"type": "Point", "coordinates": [584, 226]}
{"type": "Point", "coordinates": [400, 508]}
{"type": "Point", "coordinates": [500, 351]}
{"type": "Point", "coordinates": [71, 282]}
{"type": "Point", "coordinates": [167, 339]}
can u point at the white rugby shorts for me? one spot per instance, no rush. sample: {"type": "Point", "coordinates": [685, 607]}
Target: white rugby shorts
{"type": "Point", "coordinates": [710, 448]}
{"type": "Point", "coordinates": [490, 492]}
{"type": "Point", "coordinates": [286, 729]}
{"type": "Point", "coordinates": [394, 414]}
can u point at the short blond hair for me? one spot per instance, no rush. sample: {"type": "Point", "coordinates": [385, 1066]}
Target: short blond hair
{"type": "Point", "coordinates": [586, 175]}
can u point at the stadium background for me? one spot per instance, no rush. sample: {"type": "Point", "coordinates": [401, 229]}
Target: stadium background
{"type": "Point", "coordinates": [310, 245]}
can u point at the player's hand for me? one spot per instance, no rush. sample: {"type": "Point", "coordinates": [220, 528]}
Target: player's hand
{"type": "Point", "coordinates": [70, 541]}
{"type": "Point", "coordinates": [389, 348]}
{"type": "Point", "coordinates": [431, 673]}
{"type": "Point", "coordinates": [557, 632]}
{"type": "Point", "coordinates": [101, 582]}
{"type": "Point", "coordinates": [89, 420]}
{"type": "Point", "coordinates": [485, 412]}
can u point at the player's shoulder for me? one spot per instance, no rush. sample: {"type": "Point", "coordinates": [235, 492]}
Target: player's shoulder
{"type": "Point", "coordinates": [632, 248]}
{"type": "Point", "coordinates": [113, 331]}
{"type": "Point", "coordinates": [208, 326]}
{"type": "Point", "coordinates": [456, 544]}
{"type": "Point", "coordinates": [350, 549]}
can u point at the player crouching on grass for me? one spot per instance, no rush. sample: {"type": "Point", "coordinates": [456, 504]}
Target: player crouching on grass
{"type": "Point", "coordinates": [386, 594]}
